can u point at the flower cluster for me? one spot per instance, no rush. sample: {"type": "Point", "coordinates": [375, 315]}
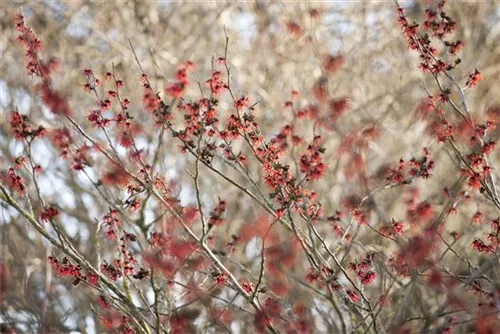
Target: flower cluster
{"type": "Point", "coordinates": [440, 25]}
{"type": "Point", "coordinates": [216, 214]}
{"type": "Point", "coordinates": [310, 162]}
{"type": "Point", "coordinates": [414, 168]}
{"type": "Point", "coordinates": [14, 181]}
{"type": "Point", "coordinates": [22, 129]}
{"type": "Point", "coordinates": [363, 269]}
{"type": "Point", "coordinates": [49, 214]}
{"type": "Point", "coordinates": [65, 268]}
{"type": "Point", "coordinates": [178, 88]}
{"type": "Point", "coordinates": [28, 38]}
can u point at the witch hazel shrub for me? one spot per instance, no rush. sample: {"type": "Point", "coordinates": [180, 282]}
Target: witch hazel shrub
{"type": "Point", "coordinates": [259, 244]}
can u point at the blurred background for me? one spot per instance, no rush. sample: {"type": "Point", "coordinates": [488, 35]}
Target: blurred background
{"type": "Point", "coordinates": [274, 47]}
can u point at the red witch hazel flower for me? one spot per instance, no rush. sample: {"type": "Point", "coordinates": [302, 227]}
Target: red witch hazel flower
{"type": "Point", "coordinates": [310, 162]}
{"type": "Point", "coordinates": [216, 84]}
{"type": "Point", "coordinates": [111, 221]}
{"type": "Point", "coordinates": [393, 229]}
{"type": "Point", "coordinates": [368, 278]}
{"type": "Point", "coordinates": [14, 181]}
{"type": "Point", "coordinates": [353, 295]}
{"type": "Point", "coordinates": [49, 213]}
{"type": "Point", "coordinates": [103, 302]}
{"type": "Point", "coordinates": [443, 131]}
{"type": "Point", "coordinates": [333, 63]}
{"type": "Point", "coordinates": [54, 101]}
{"type": "Point", "coordinates": [177, 89]}
{"type": "Point", "coordinates": [474, 79]}
{"type": "Point", "coordinates": [32, 45]}
{"type": "Point", "coordinates": [221, 279]}
{"type": "Point", "coordinates": [480, 246]}
{"type": "Point", "coordinates": [247, 286]}
{"type": "Point", "coordinates": [241, 103]}
{"type": "Point", "coordinates": [23, 129]}
{"type": "Point", "coordinates": [363, 269]}
{"type": "Point", "coordinates": [294, 29]}
{"type": "Point", "coordinates": [65, 268]}
{"type": "Point", "coordinates": [216, 214]}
